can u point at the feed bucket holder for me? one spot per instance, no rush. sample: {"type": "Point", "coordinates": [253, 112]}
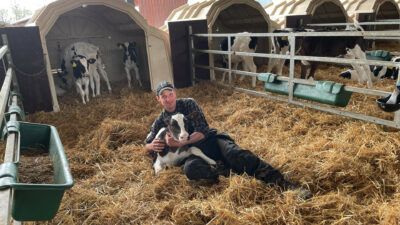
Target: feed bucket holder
{"type": "Point", "coordinates": [381, 55]}
{"type": "Point", "coordinates": [34, 202]}
{"type": "Point", "coordinates": [326, 92]}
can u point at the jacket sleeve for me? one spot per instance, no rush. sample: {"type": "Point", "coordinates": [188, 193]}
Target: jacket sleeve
{"type": "Point", "coordinates": [199, 123]}
{"type": "Point", "coordinates": [157, 125]}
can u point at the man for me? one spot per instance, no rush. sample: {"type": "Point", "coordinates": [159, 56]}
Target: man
{"type": "Point", "coordinates": [216, 146]}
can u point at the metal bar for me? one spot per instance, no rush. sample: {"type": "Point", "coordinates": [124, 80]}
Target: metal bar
{"type": "Point", "coordinates": [3, 51]}
{"type": "Point", "coordinates": [302, 81]}
{"type": "Point", "coordinates": [360, 23]}
{"type": "Point", "coordinates": [308, 58]}
{"type": "Point", "coordinates": [318, 107]}
{"type": "Point", "coordinates": [10, 63]}
{"type": "Point", "coordinates": [4, 66]}
{"type": "Point", "coordinates": [5, 89]}
{"type": "Point", "coordinates": [10, 156]}
{"type": "Point", "coordinates": [292, 42]}
{"type": "Point", "coordinates": [191, 56]}
{"type": "Point", "coordinates": [230, 60]}
{"type": "Point", "coordinates": [310, 34]}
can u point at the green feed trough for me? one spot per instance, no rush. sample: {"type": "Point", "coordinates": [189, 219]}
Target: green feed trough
{"type": "Point", "coordinates": [34, 202]}
{"type": "Point", "coordinates": [326, 92]}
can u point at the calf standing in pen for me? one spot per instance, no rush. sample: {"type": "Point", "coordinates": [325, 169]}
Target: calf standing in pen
{"type": "Point", "coordinates": [215, 146]}
{"type": "Point", "coordinates": [332, 46]}
{"type": "Point", "coordinates": [130, 60]}
{"type": "Point", "coordinates": [81, 75]}
{"type": "Point", "coordinates": [93, 64]}
{"type": "Point", "coordinates": [280, 45]}
{"type": "Point", "coordinates": [177, 126]}
{"type": "Point", "coordinates": [241, 44]}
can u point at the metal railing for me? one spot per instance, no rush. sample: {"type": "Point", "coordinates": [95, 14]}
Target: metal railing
{"type": "Point", "coordinates": [292, 57]}
{"type": "Point", "coordinates": [11, 150]}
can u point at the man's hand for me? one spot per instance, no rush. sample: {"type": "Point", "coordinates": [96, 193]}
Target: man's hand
{"type": "Point", "coordinates": [170, 141]}
{"type": "Point", "coordinates": [157, 145]}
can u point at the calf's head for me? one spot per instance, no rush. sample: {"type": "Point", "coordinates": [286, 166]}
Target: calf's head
{"type": "Point", "coordinates": [129, 49]}
{"type": "Point", "coordinates": [178, 126]}
{"type": "Point", "coordinates": [79, 66]}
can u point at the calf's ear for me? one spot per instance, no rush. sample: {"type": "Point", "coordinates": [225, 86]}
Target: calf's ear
{"type": "Point", "coordinates": [120, 45]}
{"type": "Point", "coordinates": [73, 62]}
{"type": "Point", "coordinates": [91, 61]}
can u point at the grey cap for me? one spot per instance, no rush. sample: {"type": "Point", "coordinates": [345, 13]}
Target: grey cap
{"type": "Point", "coordinates": [163, 85]}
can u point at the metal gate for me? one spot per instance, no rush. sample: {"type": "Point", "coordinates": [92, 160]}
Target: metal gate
{"type": "Point", "coordinates": [395, 35]}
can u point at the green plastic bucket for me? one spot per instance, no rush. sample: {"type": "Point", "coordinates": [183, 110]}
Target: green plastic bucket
{"type": "Point", "coordinates": [34, 202]}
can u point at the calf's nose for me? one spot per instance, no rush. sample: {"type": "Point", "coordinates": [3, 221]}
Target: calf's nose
{"type": "Point", "coordinates": [184, 137]}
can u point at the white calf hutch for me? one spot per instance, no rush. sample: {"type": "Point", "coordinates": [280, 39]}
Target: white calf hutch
{"type": "Point", "coordinates": [226, 16]}
{"type": "Point", "coordinates": [103, 23]}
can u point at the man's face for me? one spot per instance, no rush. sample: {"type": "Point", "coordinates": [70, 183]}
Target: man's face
{"type": "Point", "coordinates": [167, 98]}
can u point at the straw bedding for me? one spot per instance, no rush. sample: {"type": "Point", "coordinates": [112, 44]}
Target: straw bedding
{"type": "Point", "coordinates": [352, 167]}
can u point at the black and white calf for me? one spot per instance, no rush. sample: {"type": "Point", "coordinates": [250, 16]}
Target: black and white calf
{"type": "Point", "coordinates": [280, 45]}
{"type": "Point", "coordinates": [177, 126]}
{"type": "Point", "coordinates": [93, 65]}
{"type": "Point", "coordinates": [80, 71]}
{"type": "Point", "coordinates": [332, 46]}
{"type": "Point", "coordinates": [377, 72]}
{"type": "Point", "coordinates": [130, 60]}
{"type": "Point", "coordinates": [240, 44]}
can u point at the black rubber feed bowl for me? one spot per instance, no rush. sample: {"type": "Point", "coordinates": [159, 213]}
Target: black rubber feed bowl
{"type": "Point", "coordinates": [387, 107]}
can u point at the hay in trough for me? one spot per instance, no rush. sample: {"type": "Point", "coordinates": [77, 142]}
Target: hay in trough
{"type": "Point", "coordinates": [352, 167]}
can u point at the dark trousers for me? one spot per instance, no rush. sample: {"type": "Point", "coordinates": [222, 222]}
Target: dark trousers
{"type": "Point", "coordinates": [222, 147]}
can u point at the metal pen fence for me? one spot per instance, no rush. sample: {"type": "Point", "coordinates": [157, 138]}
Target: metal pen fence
{"type": "Point", "coordinates": [292, 57]}
{"type": "Point", "coordinates": [11, 150]}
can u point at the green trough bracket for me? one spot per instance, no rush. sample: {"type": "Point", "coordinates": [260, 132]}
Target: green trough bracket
{"type": "Point", "coordinates": [381, 55]}
{"type": "Point", "coordinates": [34, 202]}
{"type": "Point", "coordinates": [326, 92]}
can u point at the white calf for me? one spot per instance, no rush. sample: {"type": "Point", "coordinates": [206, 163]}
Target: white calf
{"type": "Point", "coordinates": [94, 64]}
{"type": "Point", "coordinates": [241, 44]}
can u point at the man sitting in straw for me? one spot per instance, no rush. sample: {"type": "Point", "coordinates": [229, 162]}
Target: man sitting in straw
{"type": "Point", "coordinates": [216, 146]}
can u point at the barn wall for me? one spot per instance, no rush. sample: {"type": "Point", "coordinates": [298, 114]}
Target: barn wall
{"type": "Point", "coordinates": [156, 11]}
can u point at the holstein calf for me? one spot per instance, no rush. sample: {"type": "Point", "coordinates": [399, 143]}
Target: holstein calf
{"type": "Point", "coordinates": [280, 45]}
{"type": "Point", "coordinates": [332, 46]}
{"type": "Point", "coordinates": [80, 71]}
{"type": "Point", "coordinates": [177, 126]}
{"type": "Point", "coordinates": [130, 60]}
{"type": "Point", "coordinates": [94, 66]}
{"type": "Point", "coordinates": [241, 44]}
{"type": "Point", "coordinates": [377, 72]}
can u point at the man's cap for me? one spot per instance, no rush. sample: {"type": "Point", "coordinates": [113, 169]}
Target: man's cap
{"type": "Point", "coordinates": [163, 85]}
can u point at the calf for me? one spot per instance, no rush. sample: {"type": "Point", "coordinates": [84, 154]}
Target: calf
{"type": "Point", "coordinates": [94, 66]}
{"type": "Point", "coordinates": [280, 45]}
{"type": "Point", "coordinates": [80, 72]}
{"type": "Point", "coordinates": [377, 72]}
{"type": "Point", "coordinates": [177, 125]}
{"type": "Point", "coordinates": [130, 60]}
{"type": "Point", "coordinates": [241, 44]}
{"type": "Point", "coordinates": [351, 47]}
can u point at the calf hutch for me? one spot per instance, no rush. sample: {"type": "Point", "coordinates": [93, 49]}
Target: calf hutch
{"type": "Point", "coordinates": [216, 16]}
{"type": "Point", "coordinates": [299, 13]}
{"type": "Point", "coordinates": [373, 10]}
{"type": "Point", "coordinates": [103, 23]}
